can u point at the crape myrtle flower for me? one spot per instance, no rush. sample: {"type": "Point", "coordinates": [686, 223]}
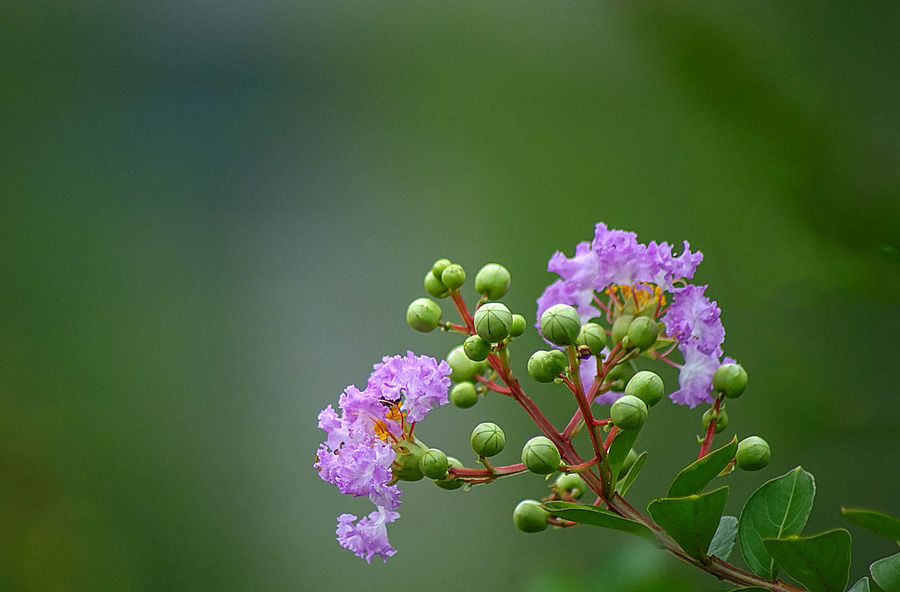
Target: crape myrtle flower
{"type": "Point", "coordinates": [616, 263]}
{"type": "Point", "coordinates": [362, 442]}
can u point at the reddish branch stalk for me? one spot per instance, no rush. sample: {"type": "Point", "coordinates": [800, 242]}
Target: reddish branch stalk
{"type": "Point", "coordinates": [711, 430]}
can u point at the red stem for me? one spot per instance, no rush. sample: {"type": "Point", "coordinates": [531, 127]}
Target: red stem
{"type": "Point", "coordinates": [710, 430]}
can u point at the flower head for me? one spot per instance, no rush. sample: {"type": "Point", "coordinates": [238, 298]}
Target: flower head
{"type": "Point", "coordinates": [635, 277]}
{"type": "Point", "coordinates": [361, 443]}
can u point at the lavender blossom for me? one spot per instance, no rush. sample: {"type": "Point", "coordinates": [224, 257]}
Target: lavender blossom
{"type": "Point", "coordinates": [358, 454]}
{"type": "Point", "coordinates": [368, 537]}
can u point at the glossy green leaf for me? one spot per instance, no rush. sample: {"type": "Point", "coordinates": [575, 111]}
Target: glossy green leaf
{"type": "Point", "coordinates": [877, 522]}
{"type": "Point", "coordinates": [618, 451]}
{"type": "Point", "coordinates": [886, 572]}
{"type": "Point", "coordinates": [723, 540]}
{"type": "Point", "coordinates": [691, 521]}
{"type": "Point", "coordinates": [860, 586]}
{"type": "Point", "coordinates": [697, 475]}
{"type": "Point", "coordinates": [598, 517]}
{"type": "Point", "coordinates": [624, 485]}
{"type": "Point", "coordinates": [779, 508]}
{"type": "Point", "coordinates": [820, 562]}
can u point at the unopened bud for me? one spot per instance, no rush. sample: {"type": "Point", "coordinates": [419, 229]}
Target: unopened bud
{"type": "Point", "coordinates": [487, 439]}
{"type": "Point", "coordinates": [423, 315]}
{"type": "Point", "coordinates": [540, 455]}
{"type": "Point", "coordinates": [453, 276]}
{"type": "Point", "coordinates": [560, 324]}
{"type": "Point", "coordinates": [529, 516]}
{"type": "Point", "coordinates": [628, 413]}
{"type": "Point", "coordinates": [646, 386]}
{"type": "Point", "coordinates": [492, 280]}
{"type": "Point", "coordinates": [593, 336]}
{"type": "Point", "coordinates": [493, 321]}
{"type": "Point", "coordinates": [433, 463]}
{"type": "Point", "coordinates": [730, 379]}
{"type": "Point", "coordinates": [753, 454]}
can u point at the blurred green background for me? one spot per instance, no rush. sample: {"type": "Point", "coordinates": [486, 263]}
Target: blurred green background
{"type": "Point", "coordinates": [215, 213]}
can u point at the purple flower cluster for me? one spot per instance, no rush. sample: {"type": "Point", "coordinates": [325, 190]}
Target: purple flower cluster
{"type": "Point", "coordinates": [357, 454]}
{"type": "Point", "coordinates": [616, 259]}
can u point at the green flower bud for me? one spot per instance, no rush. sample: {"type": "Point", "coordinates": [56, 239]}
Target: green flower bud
{"type": "Point", "coordinates": [463, 394]}
{"type": "Point", "coordinates": [620, 327]}
{"type": "Point", "coordinates": [492, 280]}
{"type": "Point", "coordinates": [453, 276]}
{"type": "Point", "coordinates": [556, 362]}
{"type": "Point", "coordinates": [487, 439]}
{"type": "Point", "coordinates": [646, 386]}
{"type": "Point", "coordinates": [406, 461]}
{"type": "Point", "coordinates": [476, 348]}
{"type": "Point", "coordinates": [536, 368]}
{"type": "Point", "coordinates": [518, 325]}
{"type": "Point", "coordinates": [619, 375]}
{"type": "Point", "coordinates": [423, 315]}
{"type": "Point", "coordinates": [630, 458]}
{"type": "Point", "coordinates": [753, 453]}
{"type": "Point", "coordinates": [571, 482]}
{"type": "Point", "coordinates": [721, 420]}
{"type": "Point", "coordinates": [529, 516]}
{"type": "Point", "coordinates": [461, 367]}
{"type": "Point", "coordinates": [439, 266]}
{"type": "Point", "coordinates": [448, 483]}
{"type": "Point", "coordinates": [593, 336]}
{"type": "Point", "coordinates": [643, 332]}
{"type": "Point", "coordinates": [493, 321]}
{"type": "Point", "coordinates": [730, 379]}
{"type": "Point", "coordinates": [433, 463]}
{"type": "Point", "coordinates": [434, 287]}
{"type": "Point", "coordinates": [540, 455]}
{"type": "Point", "coordinates": [560, 324]}
{"type": "Point", "coordinates": [628, 413]}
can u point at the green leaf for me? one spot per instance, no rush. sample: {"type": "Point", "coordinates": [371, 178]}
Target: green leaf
{"type": "Point", "coordinates": [723, 540]}
{"type": "Point", "coordinates": [692, 521]}
{"type": "Point", "coordinates": [877, 522]}
{"type": "Point", "coordinates": [625, 484]}
{"type": "Point", "coordinates": [618, 451]}
{"type": "Point", "coordinates": [820, 562]}
{"type": "Point", "coordinates": [697, 475]}
{"type": "Point", "coordinates": [886, 572]}
{"type": "Point", "coordinates": [597, 517]}
{"type": "Point", "coordinates": [779, 508]}
{"type": "Point", "coordinates": [860, 586]}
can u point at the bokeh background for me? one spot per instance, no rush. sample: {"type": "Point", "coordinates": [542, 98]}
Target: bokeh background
{"type": "Point", "coordinates": [215, 213]}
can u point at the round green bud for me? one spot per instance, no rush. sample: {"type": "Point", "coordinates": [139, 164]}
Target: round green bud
{"type": "Point", "coordinates": [560, 324]}
{"type": "Point", "coordinates": [493, 321]}
{"type": "Point", "coordinates": [492, 280]}
{"type": "Point", "coordinates": [643, 332]}
{"type": "Point", "coordinates": [406, 461]}
{"type": "Point", "coordinates": [433, 463]}
{"type": "Point", "coordinates": [476, 348]}
{"type": "Point", "coordinates": [571, 482]}
{"type": "Point", "coordinates": [463, 394]}
{"type": "Point", "coordinates": [434, 287]}
{"type": "Point", "coordinates": [730, 379]}
{"type": "Point", "coordinates": [540, 455]}
{"type": "Point", "coordinates": [555, 362]}
{"type": "Point", "coordinates": [423, 315]}
{"type": "Point", "coordinates": [646, 386]}
{"type": "Point", "coordinates": [529, 516]}
{"type": "Point", "coordinates": [630, 459]}
{"type": "Point", "coordinates": [721, 420]}
{"type": "Point", "coordinates": [628, 413]}
{"type": "Point", "coordinates": [753, 454]}
{"type": "Point", "coordinates": [536, 368]}
{"type": "Point", "coordinates": [453, 276]}
{"type": "Point", "coordinates": [461, 367]}
{"type": "Point", "coordinates": [448, 483]}
{"type": "Point", "coordinates": [439, 266]}
{"type": "Point", "coordinates": [593, 336]}
{"type": "Point", "coordinates": [620, 327]}
{"type": "Point", "coordinates": [487, 439]}
{"type": "Point", "coordinates": [518, 325]}
{"type": "Point", "coordinates": [619, 375]}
